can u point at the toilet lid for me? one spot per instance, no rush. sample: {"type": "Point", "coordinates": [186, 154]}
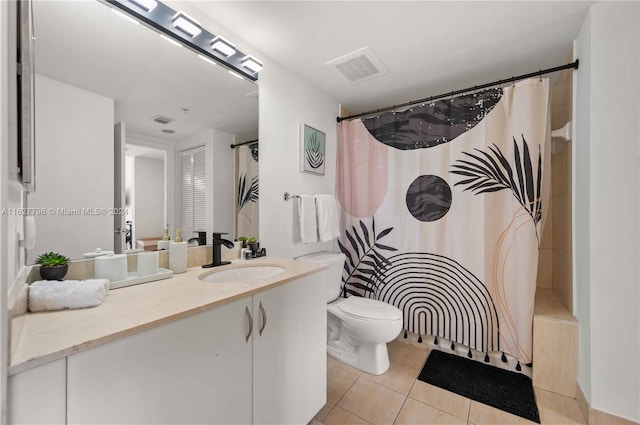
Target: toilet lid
{"type": "Point", "coordinates": [366, 308]}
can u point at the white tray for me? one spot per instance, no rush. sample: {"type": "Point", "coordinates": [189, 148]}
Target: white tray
{"type": "Point", "coordinates": [134, 279]}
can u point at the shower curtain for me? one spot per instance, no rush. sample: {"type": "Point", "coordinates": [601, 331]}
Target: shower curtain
{"type": "Point", "coordinates": [247, 191]}
{"type": "Point", "coordinates": [443, 207]}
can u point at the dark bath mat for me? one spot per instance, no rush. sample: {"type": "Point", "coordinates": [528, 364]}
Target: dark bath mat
{"type": "Point", "coordinates": [502, 389]}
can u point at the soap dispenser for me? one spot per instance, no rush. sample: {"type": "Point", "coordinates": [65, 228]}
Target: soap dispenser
{"type": "Point", "coordinates": [178, 254]}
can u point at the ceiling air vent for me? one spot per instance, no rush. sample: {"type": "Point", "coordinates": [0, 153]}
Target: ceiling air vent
{"type": "Point", "coordinates": [360, 65]}
{"type": "Point", "coordinates": [162, 120]}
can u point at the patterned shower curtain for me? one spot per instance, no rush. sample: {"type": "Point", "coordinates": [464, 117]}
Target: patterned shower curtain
{"type": "Point", "coordinates": [247, 191]}
{"type": "Point", "coordinates": [442, 212]}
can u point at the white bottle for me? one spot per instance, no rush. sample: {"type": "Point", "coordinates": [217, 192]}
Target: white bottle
{"type": "Point", "coordinates": [178, 254]}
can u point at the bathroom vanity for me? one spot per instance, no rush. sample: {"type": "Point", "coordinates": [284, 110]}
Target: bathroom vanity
{"type": "Point", "coordinates": [180, 351]}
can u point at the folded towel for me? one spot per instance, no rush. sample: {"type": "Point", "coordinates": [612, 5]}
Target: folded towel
{"type": "Point", "coordinates": [57, 295]}
{"type": "Point", "coordinates": [327, 212]}
{"type": "Point", "coordinates": [307, 215]}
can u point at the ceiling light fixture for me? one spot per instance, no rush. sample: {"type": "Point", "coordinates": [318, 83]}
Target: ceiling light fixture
{"type": "Point", "coordinates": [183, 30]}
{"type": "Point", "coordinates": [252, 63]}
{"type": "Point", "coordinates": [186, 24]}
{"type": "Point", "coordinates": [147, 5]}
{"type": "Point", "coordinates": [223, 46]}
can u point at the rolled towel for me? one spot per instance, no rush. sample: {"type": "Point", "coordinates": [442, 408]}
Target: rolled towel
{"type": "Point", "coordinates": [327, 211]}
{"type": "Point", "coordinates": [46, 295]}
{"type": "Point", "coordinates": [307, 216]}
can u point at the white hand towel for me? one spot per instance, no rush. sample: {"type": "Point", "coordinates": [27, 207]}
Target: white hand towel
{"type": "Point", "coordinates": [307, 215]}
{"type": "Point", "coordinates": [327, 211]}
{"type": "Point", "coordinates": [47, 295]}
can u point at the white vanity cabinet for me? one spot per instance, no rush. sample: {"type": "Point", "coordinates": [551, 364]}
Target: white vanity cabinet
{"type": "Point", "coordinates": [290, 356]}
{"type": "Point", "coordinates": [193, 370]}
{"type": "Point", "coordinates": [204, 368]}
{"type": "Point", "coordinates": [37, 396]}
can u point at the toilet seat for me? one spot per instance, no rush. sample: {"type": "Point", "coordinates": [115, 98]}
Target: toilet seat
{"type": "Point", "coordinates": [369, 309]}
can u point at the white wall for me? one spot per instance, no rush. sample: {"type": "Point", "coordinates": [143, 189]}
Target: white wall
{"type": "Point", "coordinates": [149, 203]}
{"type": "Point", "coordinates": [223, 183]}
{"type": "Point", "coordinates": [74, 166]}
{"type": "Point", "coordinates": [581, 186]}
{"type": "Point", "coordinates": [286, 102]}
{"type": "Point", "coordinates": [607, 207]}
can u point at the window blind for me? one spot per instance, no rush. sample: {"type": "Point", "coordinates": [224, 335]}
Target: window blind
{"type": "Point", "coordinates": [192, 188]}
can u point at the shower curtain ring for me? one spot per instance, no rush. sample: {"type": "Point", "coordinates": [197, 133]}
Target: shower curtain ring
{"type": "Point", "coordinates": [540, 75]}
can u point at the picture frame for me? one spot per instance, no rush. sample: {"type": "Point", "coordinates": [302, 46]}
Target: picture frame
{"type": "Point", "coordinates": [312, 150]}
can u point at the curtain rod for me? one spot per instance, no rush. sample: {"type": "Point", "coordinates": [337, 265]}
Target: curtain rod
{"type": "Point", "coordinates": [243, 143]}
{"type": "Point", "coordinates": [573, 65]}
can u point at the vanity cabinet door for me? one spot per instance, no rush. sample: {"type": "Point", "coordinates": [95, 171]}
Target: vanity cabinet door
{"type": "Point", "coordinates": [38, 396]}
{"type": "Point", "coordinates": [289, 357]}
{"type": "Point", "coordinates": [193, 370]}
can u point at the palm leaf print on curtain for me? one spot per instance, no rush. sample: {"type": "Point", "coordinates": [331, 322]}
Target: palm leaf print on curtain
{"type": "Point", "coordinates": [247, 191]}
{"type": "Point", "coordinates": [442, 211]}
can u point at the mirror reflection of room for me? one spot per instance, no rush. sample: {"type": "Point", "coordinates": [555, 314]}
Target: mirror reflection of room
{"type": "Point", "coordinates": [115, 89]}
{"type": "Point", "coordinates": [144, 197]}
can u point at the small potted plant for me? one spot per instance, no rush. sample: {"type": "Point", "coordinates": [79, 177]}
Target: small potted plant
{"type": "Point", "coordinates": [243, 239]}
{"type": "Point", "coordinates": [253, 244]}
{"type": "Point", "coordinates": [53, 266]}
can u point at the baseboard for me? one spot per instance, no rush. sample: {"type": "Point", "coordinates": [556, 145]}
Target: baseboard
{"type": "Point", "coordinates": [595, 416]}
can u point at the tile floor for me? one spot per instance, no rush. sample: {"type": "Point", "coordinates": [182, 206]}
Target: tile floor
{"type": "Point", "coordinates": [396, 397]}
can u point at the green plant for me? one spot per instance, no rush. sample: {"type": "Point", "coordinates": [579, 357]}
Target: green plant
{"type": "Point", "coordinates": [242, 238]}
{"type": "Point", "coordinates": [52, 259]}
{"type": "Point", "coordinates": [252, 240]}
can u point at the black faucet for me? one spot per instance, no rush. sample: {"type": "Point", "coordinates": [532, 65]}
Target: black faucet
{"type": "Point", "coordinates": [217, 241]}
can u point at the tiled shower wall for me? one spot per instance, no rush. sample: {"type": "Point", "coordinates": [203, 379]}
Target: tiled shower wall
{"type": "Point", "coordinates": [556, 256]}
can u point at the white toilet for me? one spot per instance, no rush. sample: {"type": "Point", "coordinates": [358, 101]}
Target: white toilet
{"type": "Point", "coordinates": [358, 329]}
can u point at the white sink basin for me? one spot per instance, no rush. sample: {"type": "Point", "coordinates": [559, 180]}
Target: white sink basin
{"type": "Point", "coordinates": [243, 274]}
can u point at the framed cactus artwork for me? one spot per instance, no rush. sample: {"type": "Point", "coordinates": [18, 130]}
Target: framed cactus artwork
{"type": "Point", "coordinates": [312, 150]}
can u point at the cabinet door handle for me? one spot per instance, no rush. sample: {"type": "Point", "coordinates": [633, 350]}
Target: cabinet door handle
{"type": "Point", "coordinates": [250, 319]}
{"type": "Point", "coordinates": [264, 318]}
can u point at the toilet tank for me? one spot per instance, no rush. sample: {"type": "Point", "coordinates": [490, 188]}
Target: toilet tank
{"type": "Point", "coordinates": [334, 274]}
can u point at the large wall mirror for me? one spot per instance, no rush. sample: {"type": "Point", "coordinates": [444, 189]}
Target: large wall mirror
{"type": "Point", "coordinates": [128, 119]}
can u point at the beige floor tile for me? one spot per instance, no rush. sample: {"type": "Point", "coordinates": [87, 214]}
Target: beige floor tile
{"type": "Point", "coordinates": [407, 354]}
{"type": "Point", "coordinates": [413, 412]}
{"type": "Point", "coordinates": [481, 414]}
{"type": "Point", "coordinates": [323, 412]}
{"type": "Point", "coordinates": [399, 377]}
{"type": "Point", "coordinates": [340, 377]}
{"type": "Point", "coordinates": [339, 416]}
{"type": "Point", "coordinates": [372, 402]}
{"type": "Point", "coordinates": [447, 401]}
{"type": "Point", "coordinates": [556, 409]}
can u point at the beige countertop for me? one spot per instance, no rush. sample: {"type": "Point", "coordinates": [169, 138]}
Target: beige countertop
{"type": "Point", "coordinates": [49, 336]}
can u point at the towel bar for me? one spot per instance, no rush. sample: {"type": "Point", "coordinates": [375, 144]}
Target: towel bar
{"type": "Point", "coordinates": [287, 196]}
